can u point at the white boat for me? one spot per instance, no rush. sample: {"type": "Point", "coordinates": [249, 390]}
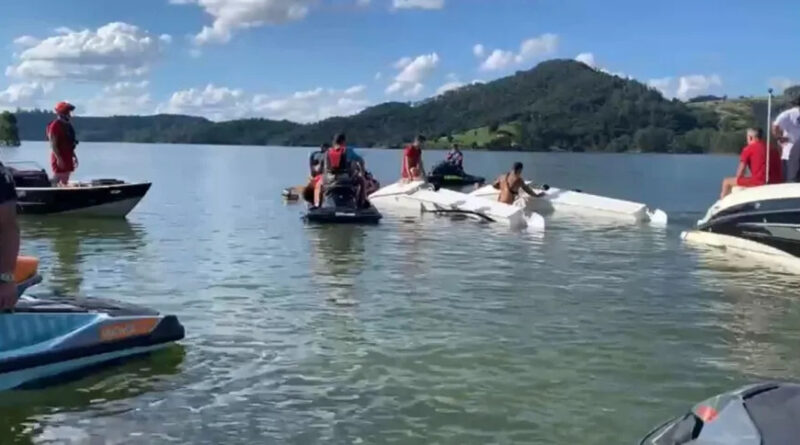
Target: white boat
{"type": "Point", "coordinates": [559, 200]}
{"type": "Point", "coordinates": [762, 222]}
{"type": "Point", "coordinates": [418, 197]}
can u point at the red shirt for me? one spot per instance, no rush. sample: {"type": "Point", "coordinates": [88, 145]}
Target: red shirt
{"type": "Point", "coordinates": [65, 135]}
{"type": "Point", "coordinates": [754, 157]}
{"type": "Point", "coordinates": [411, 157]}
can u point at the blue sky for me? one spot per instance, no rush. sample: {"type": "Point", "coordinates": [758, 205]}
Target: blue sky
{"type": "Point", "coordinates": [308, 59]}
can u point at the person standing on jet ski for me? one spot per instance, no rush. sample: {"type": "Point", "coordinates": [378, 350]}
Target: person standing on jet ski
{"type": "Point", "coordinates": [9, 240]}
{"type": "Point", "coordinates": [455, 157]}
{"type": "Point", "coordinates": [341, 161]}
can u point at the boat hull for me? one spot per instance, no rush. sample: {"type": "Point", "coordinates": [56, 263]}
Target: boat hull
{"type": "Point", "coordinates": [104, 201]}
{"type": "Point", "coordinates": [43, 340]}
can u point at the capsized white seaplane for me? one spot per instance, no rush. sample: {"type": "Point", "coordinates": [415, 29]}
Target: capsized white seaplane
{"type": "Point", "coordinates": [581, 204]}
{"type": "Point", "coordinates": [417, 197]}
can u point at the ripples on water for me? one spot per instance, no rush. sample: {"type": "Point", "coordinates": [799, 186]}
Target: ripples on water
{"type": "Point", "coordinates": [431, 331]}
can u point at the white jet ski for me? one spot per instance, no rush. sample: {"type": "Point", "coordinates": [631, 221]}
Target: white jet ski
{"type": "Point", "coordinates": [559, 200]}
{"type": "Point", "coordinates": [420, 197]}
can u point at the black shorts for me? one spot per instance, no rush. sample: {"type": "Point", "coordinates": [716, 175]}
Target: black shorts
{"type": "Point", "coordinates": [7, 191]}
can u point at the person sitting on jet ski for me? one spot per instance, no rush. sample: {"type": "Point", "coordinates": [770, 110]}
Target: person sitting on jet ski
{"type": "Point", "coordinates": [510, 183]}
{"type": "Point", "coordinates": [455, 157]}
{"type": "Point", "coordinates": [9, 240]}
{"type": "Point", "coordinates": [341, 164]}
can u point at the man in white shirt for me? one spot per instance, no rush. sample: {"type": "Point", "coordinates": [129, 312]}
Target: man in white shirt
{"type": "Point", "coordinates": [786, 129]}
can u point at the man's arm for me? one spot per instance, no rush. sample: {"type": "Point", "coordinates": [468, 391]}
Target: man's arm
{"type": "Point", "coordinates": [9, 238]}
{"type": "Point", "coordinates": [529, 190]}
{"type": "Point", "coordinates": [740, 171]}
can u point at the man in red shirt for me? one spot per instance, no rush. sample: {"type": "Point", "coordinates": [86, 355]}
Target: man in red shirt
{"type": "Point", "coordinates": [754, 158]}
{"type": "Point", "coordinates": [413, 169]}
{"type": "Point", "coordinates": [62, 139]}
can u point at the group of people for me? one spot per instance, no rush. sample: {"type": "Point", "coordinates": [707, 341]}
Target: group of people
{"type": "Point", "coordinates": [339, 164]}
{"type": "Point", "coordinates": [784, 162]}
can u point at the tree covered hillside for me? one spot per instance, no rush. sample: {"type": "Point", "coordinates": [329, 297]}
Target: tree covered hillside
{"type": "Point", "coordinates": [558, 105]}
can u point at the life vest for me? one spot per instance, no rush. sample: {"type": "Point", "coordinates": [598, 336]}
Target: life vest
{"type": "Point", "coordinates": [337, 160]}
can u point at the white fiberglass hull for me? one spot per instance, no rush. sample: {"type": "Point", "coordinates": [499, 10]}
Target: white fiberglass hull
{"type": "Point", "coordinates": [754, 253]}
{"type": "Point", "coordinates": [416, 198]}
{"type": "Point", "coordinates": [559, 200]}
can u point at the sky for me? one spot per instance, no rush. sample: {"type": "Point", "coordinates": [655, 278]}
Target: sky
{"type": "Point", "coordinates": [305, 60]}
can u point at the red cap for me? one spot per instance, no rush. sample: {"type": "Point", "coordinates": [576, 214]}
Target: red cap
{"type": "Point", "coordinates": [64, 107]}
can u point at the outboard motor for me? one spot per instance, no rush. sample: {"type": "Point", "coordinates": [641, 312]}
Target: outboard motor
{"type": "Point", "coordinates": [761, 414]}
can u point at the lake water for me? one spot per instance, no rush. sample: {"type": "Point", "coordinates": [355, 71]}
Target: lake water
{"type": "Point", "coordinates": [426, 331]}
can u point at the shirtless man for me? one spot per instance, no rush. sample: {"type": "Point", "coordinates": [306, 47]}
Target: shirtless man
{"type": "Point", "coordinates": [510, 183]}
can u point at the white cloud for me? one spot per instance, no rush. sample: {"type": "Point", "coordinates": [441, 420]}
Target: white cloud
{"type": "Point", "coordinates": [113, 51]}
{"type": "Point", "coordinates": [410, 80]}
{"type": "Point", "coordinates": [220, 103]}
{"type": "Point", "coordinates": [697, 84]}
{"type": "Point", "coordinates": [529, 50]}
{"type": "Point", "coordinates": [479, 50]}
{"type": "Point", "coordinates": [354, 90]}
{"type": "Point", "coordinates": [782, 83]}
{"type": "Point", "coordinates": [26, 41]}
{"type": "Point", "coordinates": [122, 98]}
{"type": "Point", "coordinates": [403, 62]}
{"type": "Point", "coordinates": [230, 15]}
{"type": "Point", "coordinates": [587, 58]}
{"type": "Point", "coordinates": [213, 102]}
{"type": "Point", "coordinates": [24, 95]}
{"type": "Point", "coordinates": [498, 60]}
{"type": "Point", "coordinates": [449, 86]}
{"type": "Point", "coordinates": [687, 87]}
{"type": "Point", "coordinates": [378, 76]}
{"type": "Point", "coordinates": [664, 85]}
{"type": "Point", "coordinates": [418, 4]}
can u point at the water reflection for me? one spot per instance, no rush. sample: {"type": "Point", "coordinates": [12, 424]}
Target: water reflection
{"type": "Point", "coordinates": [337, 259]}
{"type": "Point", "coordinates": [64, 245]}
{"type": "Point", "coordinates": [29, 416]}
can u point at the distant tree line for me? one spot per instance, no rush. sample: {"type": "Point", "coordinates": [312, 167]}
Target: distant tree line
{"type": "Point", "coordinates": [558, 105]}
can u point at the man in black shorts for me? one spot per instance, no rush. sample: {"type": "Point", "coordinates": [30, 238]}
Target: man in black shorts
{"type": "Point", "coordinates": [9, 240]}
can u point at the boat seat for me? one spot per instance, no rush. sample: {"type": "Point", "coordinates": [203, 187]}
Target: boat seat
{"type": "Point", "coordinates": [26, 268]}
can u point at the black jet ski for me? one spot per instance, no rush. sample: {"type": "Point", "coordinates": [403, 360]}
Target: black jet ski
{"type": "Point", "coordinates": [340, 206]}
{"type": "Point", "coordinates": [760, 414]}
{"type": "Point", "coordinates": [449, 175]}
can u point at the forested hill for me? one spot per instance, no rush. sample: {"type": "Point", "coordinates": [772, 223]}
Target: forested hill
{"type": "Point", "coordinates": [558, 105]}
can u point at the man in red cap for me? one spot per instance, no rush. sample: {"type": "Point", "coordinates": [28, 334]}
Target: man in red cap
{"type": "Point", "coordinates": [62, 139]}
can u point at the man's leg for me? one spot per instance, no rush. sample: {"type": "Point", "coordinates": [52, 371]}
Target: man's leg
{"type": "Point", "coordinates": [727, 186]}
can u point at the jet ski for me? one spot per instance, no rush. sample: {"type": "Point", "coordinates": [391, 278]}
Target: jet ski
{"type": "Point", "coordinates": [764, 413]}
{"type": "Point", "coordinates": [36, 194]}
{"type": "Point", "coordinates": [340, 206]}
{"type": "Point", "coordinates": [43, 340]}
{"type": "Point", "coordinates": [446, 174]}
